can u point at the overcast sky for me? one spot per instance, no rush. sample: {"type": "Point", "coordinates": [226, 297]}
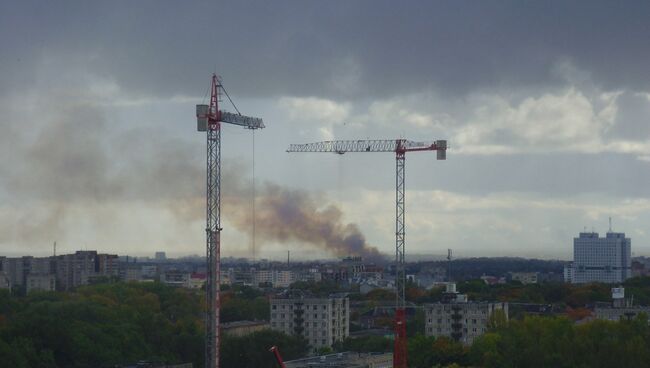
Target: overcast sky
{"type": "Point", "coordinates": [545, 105]}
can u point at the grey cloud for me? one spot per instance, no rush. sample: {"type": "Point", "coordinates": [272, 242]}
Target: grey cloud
{"type": "Point", "coordinates": [304, 48]}
{"type": "Point", "coordinates": [632, 119]}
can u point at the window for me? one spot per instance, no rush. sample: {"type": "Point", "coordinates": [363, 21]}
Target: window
{"type": "Point", "coordinates": [274, 307]}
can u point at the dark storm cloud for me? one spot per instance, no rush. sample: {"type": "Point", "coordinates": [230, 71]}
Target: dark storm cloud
{"type": "Point", "coordinates": [368, 48]}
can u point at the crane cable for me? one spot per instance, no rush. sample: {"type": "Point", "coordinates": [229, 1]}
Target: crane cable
{"type": "Point", "coordinates": [253, 194]}
{"type": "Point", "coordinates": [229, 99]}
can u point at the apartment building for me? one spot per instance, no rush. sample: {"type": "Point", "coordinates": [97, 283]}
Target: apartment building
{"type": "Point", "coordinates": [459, 319]}
{"type": "Point", "coordinates": [321, 321]}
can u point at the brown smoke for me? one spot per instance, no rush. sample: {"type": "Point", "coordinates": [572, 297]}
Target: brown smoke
{"type": "Point", "coordinates": [74, 165]}
{"type": "Point", "coordinates": [286, 215]}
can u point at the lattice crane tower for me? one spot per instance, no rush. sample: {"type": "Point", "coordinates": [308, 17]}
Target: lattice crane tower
{"type": "Point", "coordinates": [400, 147]}
{"type": "Point", "coordinates": [209, 119]}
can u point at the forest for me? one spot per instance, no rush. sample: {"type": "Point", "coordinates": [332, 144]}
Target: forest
{"type": "Point", "coordinates": [108, 325]}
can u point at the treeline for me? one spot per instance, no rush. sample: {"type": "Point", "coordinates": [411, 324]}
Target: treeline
{"type": "Point", "coordinates": [530, 343]}
{"type": "Point", "coordinates": [571, 295]}
{"type": "Point", "coordinates": [473, 268]}
{"type": "Point", "coordinates": [110, 324]}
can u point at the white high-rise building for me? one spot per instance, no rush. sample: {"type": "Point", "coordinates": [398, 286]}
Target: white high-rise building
{"type": "Point", "coordinates": [597, 259]}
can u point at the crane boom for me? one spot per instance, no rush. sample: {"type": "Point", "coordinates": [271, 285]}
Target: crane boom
{"type": "Point", "coordinates": [400, 147]}
{"type": "Point", "coordinates": [369, 145]}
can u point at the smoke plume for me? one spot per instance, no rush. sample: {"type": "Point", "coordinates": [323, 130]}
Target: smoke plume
{"type": "Point", "coordinates": [75, 175]}
{"type": "Point", "coordinates": [289, 215]}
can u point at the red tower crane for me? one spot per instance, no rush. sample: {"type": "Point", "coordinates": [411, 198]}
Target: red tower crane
{"type": "Point", "coordinates": [274, 349]}
{"type": "Point", "coordinates": [400, 147]}
{"type": "Point", "coordinates": [209, 119]}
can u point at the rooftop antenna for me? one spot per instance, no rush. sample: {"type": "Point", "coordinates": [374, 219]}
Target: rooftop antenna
{"type": "Point", "coordinates": [55, 248]}
{"type": "Point", "coordinates": [288, 257]}
{"type": "Point", "coordinates": [610, 224]}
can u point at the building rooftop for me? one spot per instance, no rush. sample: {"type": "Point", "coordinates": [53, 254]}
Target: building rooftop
{"type": "Point", "coordinates": [236, 324]}
{"type": "Point", "coordinates": [339, 360]}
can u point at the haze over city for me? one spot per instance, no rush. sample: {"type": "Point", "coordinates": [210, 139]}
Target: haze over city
{"type": "Point", "coordinates": [544, 106]}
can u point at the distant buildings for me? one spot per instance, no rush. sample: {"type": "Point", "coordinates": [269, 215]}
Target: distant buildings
{"type": "Point", "coordinates": [524, 277]}
{"type": "Point", "coordinates": [61, 272]}
{"type": "Point", "coordinates": [160, 256]}
{"type": "Point", "coordinates": [620, 308]}
{"type": "Point", "coordinates": [596, 259]}
{"type": "Point", "coordinates": [321, 321]}
{"type": "Point", "coordinates": [175, 278]}
{"type": "Point", "coordinates": [276, 278]}
{"type": "Point", "coordinates": [459, 319]}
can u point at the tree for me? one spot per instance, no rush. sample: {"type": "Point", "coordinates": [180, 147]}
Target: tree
{"type": "Point", "coordinates": [252, 351]}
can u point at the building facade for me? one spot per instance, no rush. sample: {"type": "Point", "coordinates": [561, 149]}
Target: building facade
{"type": "Point", "coordinates": [276, 278]}
{"type": "Point", "coordinates": [321, 321]}
{"type": "Point", "coordinates": [40, 282]}
{"type": "Point", "coordinates": [463, 321]}
{"type": "Point", "coordinates": [18, 270]}
{"type": "Point", "coordinates": [457, 318]}
{"type": "Point", "coordinates": [597, 259]}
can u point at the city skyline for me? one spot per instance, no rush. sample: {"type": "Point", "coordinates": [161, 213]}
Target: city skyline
{"type": "Point", "coordinates": [545, 115]}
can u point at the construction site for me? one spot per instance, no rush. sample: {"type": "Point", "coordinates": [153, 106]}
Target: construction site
{"type": "Point", "coordinates": [313, 217]}
{"type": "Point", "coordinates": [209, 120]}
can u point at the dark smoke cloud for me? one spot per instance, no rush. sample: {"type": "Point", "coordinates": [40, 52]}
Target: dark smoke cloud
{"type": "Point", "coordinates": [286, 215]}
{"type": "Point", "coordinates": [73, 165]}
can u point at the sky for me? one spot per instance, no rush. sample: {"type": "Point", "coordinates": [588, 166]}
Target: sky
{"type": "Point", "coordinates": [545, 107]}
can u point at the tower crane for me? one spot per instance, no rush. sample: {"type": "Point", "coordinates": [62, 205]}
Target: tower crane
{"type": "Point", "coordinates": [274, 349]}
{"type": "Point", "coordinates": [209, 119]}
{"type": "Point", "coordinates": [400, 147]}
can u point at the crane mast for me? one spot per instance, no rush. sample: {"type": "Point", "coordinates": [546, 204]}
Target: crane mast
{"type": "Point", "coordinates": [209, 119]}
{"type": "Point", "coordinates": [400, 147]}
